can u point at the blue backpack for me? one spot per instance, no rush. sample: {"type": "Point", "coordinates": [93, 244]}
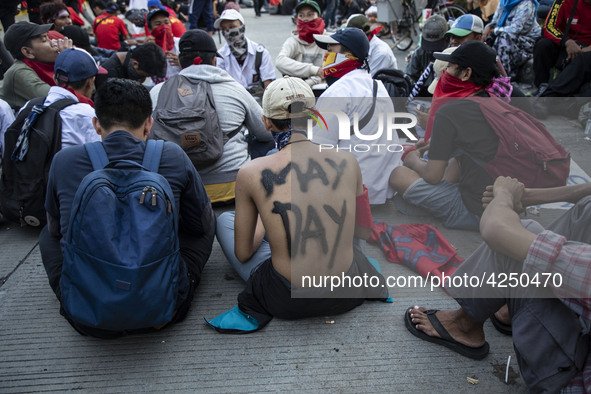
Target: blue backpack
{"type": "Point", "coordinates": [121, 252]}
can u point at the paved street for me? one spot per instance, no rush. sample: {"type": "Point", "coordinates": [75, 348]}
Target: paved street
{"type": "Point", "coordinates": [365, 350]}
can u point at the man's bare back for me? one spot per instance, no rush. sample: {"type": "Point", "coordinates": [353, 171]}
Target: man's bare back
{"type": "Point", "coordinates": [306, 201]}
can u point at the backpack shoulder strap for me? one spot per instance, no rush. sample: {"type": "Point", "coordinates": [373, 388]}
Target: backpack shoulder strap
{"type": "Point", "coordinates": [153, 154]}
{"type": "Point", "coordinates": [258, 59]}
{"type": "Point", "coordinates": [363, 122]}
{"type": "Point", "coordinates": [97, 154]}
{"type": "Point", "coordinates": [62, 103]}
{"type": "Point", "coordinates": [101, 21]}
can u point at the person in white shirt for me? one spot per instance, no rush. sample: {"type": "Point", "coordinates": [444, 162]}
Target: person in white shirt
{"type": "Point", "coordinates": [380, 55]}
{"type": "Point", "coordinates": [239, 55]}
{"type": "Point", "coordinates": [300, 56]}
{"type": "Point", "coordinates": [6, 119]}
{"type": "Point", "coordinates": [75, 71]}
{"type": "Point", "coordinates": [353, 92]}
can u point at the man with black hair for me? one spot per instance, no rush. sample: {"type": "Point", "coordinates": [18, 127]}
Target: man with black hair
{"type": "Point", "coordinates": [352, 91]}
{"type": "Point", "coordinates": [143, 61]}
{"type": "Point", "coordinates": [123, 120]}
{"type": "Point", "coordinates": [31, 75]}
{"type": "Point", "coordinates": [237, 111]}
{"type": "Point", "coordinates": [159, 27]}
{"type": "Point", "coordinates": [297, 212]}
{"type": "Point", "coordinates": [75, 73]}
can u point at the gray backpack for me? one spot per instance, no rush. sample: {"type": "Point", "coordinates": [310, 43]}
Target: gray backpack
{"type": "Point", "coordinates": [185, 114]}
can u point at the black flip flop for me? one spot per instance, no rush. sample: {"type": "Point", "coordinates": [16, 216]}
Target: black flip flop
{"type": "Point", "coordinates": [476, 353]}
{"type": "Point", "coordinates": [500, 326]}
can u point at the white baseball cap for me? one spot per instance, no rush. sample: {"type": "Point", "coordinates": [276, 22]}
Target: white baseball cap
{"type": "Point", "coordinates": [282, 93]}
{"type": "Point", "coordinates": [228, 15]}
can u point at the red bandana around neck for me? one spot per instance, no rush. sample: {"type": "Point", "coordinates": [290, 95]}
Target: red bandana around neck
{"type": "Point", "coordinates": [43, 70]}
{"type": "Point", "coordinates": [306, 30]}
{"type": "Point", "coordinates": [81, 98]}
{"type": "Point", "coordinates": [164, 37]}
{"type": "Point", "coordinates": [374, 32]}
{"type": "Point", "coordinates": [447, 89]}
{"type": "Point", "coordinates": [338, 64]}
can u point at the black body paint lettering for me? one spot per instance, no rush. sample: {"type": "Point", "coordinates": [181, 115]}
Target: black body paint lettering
{"type": "Point", "coordinates": [340, 221]}
{"type": "Point", "coordinates": [340, 169]}
{"type": "Point", "coordinates": [314, 229]}
{"type": "Point", "coordinates": [281, 209]}
{"type": "Point", "coordinates": [269, 179]}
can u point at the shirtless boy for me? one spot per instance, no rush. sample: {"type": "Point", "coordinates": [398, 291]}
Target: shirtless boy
{"type": "Point", "coordinates": [296, 217]}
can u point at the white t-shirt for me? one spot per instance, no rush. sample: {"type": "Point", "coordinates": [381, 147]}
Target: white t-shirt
{"type": "Point", "coordinates": [377, 156]}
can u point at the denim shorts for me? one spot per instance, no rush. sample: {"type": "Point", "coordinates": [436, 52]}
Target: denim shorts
{"type": "Point", "coordinates": [444, 201]}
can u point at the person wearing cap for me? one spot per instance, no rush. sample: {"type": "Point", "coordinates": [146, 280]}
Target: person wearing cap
{"type": "Point", "coordinates": [235, 107]}
{"type": "Point", "coordinates": [239, 56]}
{"type": "Point", "coordinates": [466, 28]}
{"type": "Point", "coordinates": [513, 31]}
{"type": "Point", "coordinates": [380, 55]}
{"type": "Point", "coordinates": [123, 121]}
{"type": "Point", "coordinates": [456, 124]}
{"type": "Point", "coordinates": [352, 91]}
{"type": "Point", "coordinates": [289, 207]}
{"type": "Point", "coordinates": [432, 40]}
{"type": "Point", "coordinates": [349, 8]}
{"type": "Point", "coordinates": [31, 75]}
{"type": "Point", "coordinates": [299, 55]}
{"type": "Point", "coordinates": [109, 29]}
{"type": "Point", "coordinates": [158, 26]}
{"type": "Point", "coordinates": [145, 60]}
{"type": "Point", "coordinates": [75, 72]}
{"type": "Point", "coordinates": [178, 27]}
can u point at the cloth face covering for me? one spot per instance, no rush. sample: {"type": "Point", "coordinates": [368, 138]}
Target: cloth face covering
{"type": "Point", "coordinates": [306, 30]}
{"type": "Point", "coordinates": [237, 42]}
{"type": "Point", "coordinates": [337, 64]}
{"type": "Point", "coordinates": [164, 37]}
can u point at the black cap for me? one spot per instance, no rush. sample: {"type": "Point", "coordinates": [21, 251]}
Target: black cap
{"type": "Point", "coordinates": [197, 40]}
{"type": "Point", "coordinates": [154, 12]}
{"type": "Point", "coordinates": [18, 34]}
{"type": "Point", "coordinates": [481, 58]}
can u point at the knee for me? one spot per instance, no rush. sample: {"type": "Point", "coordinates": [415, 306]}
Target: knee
{"type": "Point", "coordinates": [544, 46]}
{"type": "Point", "coordinates": [225, 224]}
{"type": "Point", "coordinates": [401, 178]}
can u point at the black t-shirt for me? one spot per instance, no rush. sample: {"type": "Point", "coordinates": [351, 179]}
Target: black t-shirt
{"type": "Point", "coordinates": [114, 67]}
{"type": "Point", "coordinates": [460, 124]}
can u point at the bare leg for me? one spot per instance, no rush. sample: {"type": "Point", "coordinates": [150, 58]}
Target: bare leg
{"type": "Point", "coordinates": [402, 177]}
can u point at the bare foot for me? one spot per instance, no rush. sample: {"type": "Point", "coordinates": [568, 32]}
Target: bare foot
{"type": "Point", "coordinates": [503, 315]}
{"type": "Point", "coordinates": [457, 323]}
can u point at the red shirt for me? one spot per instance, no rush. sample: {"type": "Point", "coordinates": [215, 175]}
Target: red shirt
{"type": "Point", "coordinates": [580, 29]}
{"type": "Point", "coordinates": [107, 28]}
{"type": "Point", "coordinates": [76, 19]}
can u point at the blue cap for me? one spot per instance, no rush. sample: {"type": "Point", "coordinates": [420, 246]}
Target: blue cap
{"type": "Point", "coordinates": [353, 38]}
{"type": "Point", "coordinates": [111, 7]}
{"type": "Point", "coordinates": [74, 65]}
{"type": "Point", "coordinates": [156, 3]}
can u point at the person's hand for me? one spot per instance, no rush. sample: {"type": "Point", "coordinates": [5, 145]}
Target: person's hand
{"type": "Point", "coordinates": [505, 187]}
{"type": "Point", "coordinates": [572, 49]}
{"type": "Point", "coordinates": [422, 118]}
{"type": "Point", "coordinates": [487, 30]}
{"type": "Point", "coordinates": [586, 49]}
{"type": "Point", "coordinates": [62, 44]}
{"type": "Point", "coordinates": [422, 147]}
{"type": "Point", "coordinates": [173, 59]}
{"type": "Point", "coordinates": [131, 42]}
{"type": "Point", "coordinates": [149, 39]}
{"type": "Point", "coordinates": [320, 72]}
